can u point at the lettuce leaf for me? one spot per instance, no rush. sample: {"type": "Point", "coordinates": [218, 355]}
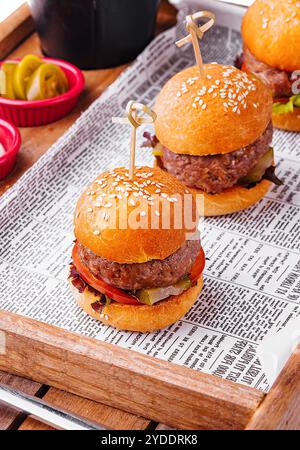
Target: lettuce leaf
{"type": "Point", "coordinates": [284, 108]}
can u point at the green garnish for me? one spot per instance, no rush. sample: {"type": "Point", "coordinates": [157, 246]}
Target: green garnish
{"type": "Point", "coordinates": [284, 108]}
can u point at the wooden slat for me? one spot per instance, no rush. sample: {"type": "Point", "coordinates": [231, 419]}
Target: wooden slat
{"type": "Point", "coordinates": [14, 29]}
{"type": "Point", "coordinates": [124, 379]}
{"type": "Point", "coordinates": [280, 409]}
{"type": "Point", "coordinates": [96, 412]}
{"type": "Point", "coordinates": [9, 418]}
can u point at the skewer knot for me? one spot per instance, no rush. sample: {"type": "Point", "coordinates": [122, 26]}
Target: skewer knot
{"type": "Point", "coordinates": [193, 28]}
{"type": "Point", "coordinates": [137, 114]}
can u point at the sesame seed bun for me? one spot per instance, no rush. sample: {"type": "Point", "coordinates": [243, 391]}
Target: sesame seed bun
{"type": "Point", "coordinates": [271, 31]}
{"type": "Point", "coordinates": [141, 318]}
{"type": "Point", "coordinates": [226, 111]}
{"type": "Point", "coordinates": [103, 225]}
{"type": "Point", "coordinates": [288, 121]}
{"type": "Point", "coordinates": [230, 200]}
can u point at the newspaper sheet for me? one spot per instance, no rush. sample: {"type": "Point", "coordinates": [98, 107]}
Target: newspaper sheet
{"type": "Point", "coordinates": [252, 276]}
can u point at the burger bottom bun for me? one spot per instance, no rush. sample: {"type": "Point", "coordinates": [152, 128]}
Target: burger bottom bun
{"type": "Point", "coordinates": [231, 200]}
{"type": "Point", "coordinates": [288, 121]}
{"type": "Point", "coordinates": [140, 318]}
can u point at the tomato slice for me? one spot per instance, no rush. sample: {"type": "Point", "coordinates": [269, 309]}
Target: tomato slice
{"type": "Point", "coordinates": [198, 267]}
{"type": "Point", "coordinates": [281, 99]}
{"type": "Point", "coordinates": [100, 285]}
{"type": "Point", "coordinates": [118, 294]}
{"type": "Point", "coordinates": [244, 68]}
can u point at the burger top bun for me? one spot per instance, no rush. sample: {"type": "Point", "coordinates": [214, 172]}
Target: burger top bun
{"type": "Point", "coordinates": [224, 112]}
{"type": "Point", "coordinates": [125, 220]}
{"type": "Point", "coordinates": [271, 31]}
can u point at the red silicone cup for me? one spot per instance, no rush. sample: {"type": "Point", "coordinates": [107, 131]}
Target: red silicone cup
{"type": "Point", "coordinates": [23, 113]}
{"type": "Point", "coordinates": [11, 140]}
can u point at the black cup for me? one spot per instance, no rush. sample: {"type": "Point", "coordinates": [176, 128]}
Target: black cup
{"type": "Point", "coordinates": [94, 34]}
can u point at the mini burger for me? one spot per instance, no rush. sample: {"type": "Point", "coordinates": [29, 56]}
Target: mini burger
{"type": "Point", "coordinates": [214, 135]}
{"type": "Point", "coordinates": [137, 260]}
{"type": "Point", "coordinates": [271, 35]}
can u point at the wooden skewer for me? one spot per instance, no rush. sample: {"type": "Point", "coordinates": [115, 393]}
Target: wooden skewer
{"type": "Point", "coordinates": [146, 116]}
{"type": "Point", "coordinates": [132, 147]}
{"type": "Point", "coordinates": [195, 33]}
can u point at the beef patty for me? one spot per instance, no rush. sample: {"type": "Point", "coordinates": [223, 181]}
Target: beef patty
{"type": "Point", "coordinates": [278, 81]}
{"type": "Point", "coordinates": [155, 273]}
{"type": "Point", "coordinates": [214, 173]}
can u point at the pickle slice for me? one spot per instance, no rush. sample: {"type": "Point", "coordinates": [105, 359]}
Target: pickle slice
{"type": "Point", "coordinates": [23, 72]}
{"type": "Point", "coordinates": [8, 68]}
{"type": "Point", "coordinates": [154, 295]}
{"type": "Point", "coordinates": [47, 81]}
{"type": "Point", "coordinates": [256, 174]}
{"type": "Point", "coordinates": [296, 100]}
{"type": "Point", "coordinates": [157, 150]}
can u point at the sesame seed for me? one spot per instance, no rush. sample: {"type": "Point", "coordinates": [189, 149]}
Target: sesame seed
{"type": "Point", "coordinates": [96, 232]}
{"type": "Point", "coordinates": [157, 213]}
{"type": "Point", "coordinates": [143, 213]}
{"type": "Point", "coordinates": [90, 209]}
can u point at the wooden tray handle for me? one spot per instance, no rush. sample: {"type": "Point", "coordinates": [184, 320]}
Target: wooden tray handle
{"type": "Point", "coordinates": [280, 410]}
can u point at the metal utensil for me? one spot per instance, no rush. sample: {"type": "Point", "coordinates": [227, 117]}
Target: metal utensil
{"type": "Point", "coordinates": [43, 411]}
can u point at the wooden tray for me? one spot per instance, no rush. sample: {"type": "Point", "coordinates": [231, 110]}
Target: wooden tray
{"type": "Point", "coordinates": [161, 391]}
